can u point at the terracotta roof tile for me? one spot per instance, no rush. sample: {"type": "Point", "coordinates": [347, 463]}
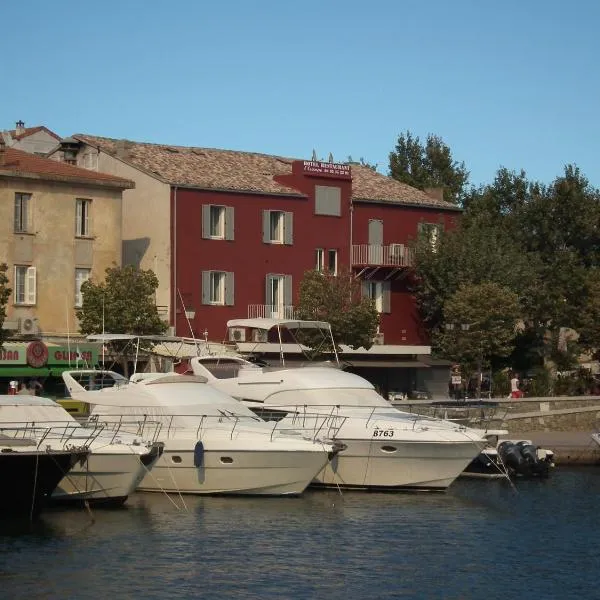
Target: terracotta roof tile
{"type": "Point", "coordinates": [17, 163]}
{"type": "Point", "coordinates": [27, 131]}
{"type": "Point", "coordinates": [211, 168]}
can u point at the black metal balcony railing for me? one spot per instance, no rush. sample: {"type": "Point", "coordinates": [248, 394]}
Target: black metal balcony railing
{"type": "Point", "coordinates": [391, 255]}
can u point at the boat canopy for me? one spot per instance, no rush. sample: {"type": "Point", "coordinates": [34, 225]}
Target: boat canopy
{"type": "Point", "coordinates": [266, 323]}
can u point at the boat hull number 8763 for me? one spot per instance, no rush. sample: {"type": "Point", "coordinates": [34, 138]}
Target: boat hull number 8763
{"type": "Point", "coordinates": [383, 433]}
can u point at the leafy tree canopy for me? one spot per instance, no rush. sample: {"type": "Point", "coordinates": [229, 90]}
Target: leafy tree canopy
{"type": "Point", "coordinates": [479, 322]}
{"type": "Point", "coordinates": [5, 292]}
{"type": "Point", "coordinates": [337, 300]}
{"type": "Point", "coordinates": [123, 303]}
{"type": "Point", "coordinates": [428, 165]}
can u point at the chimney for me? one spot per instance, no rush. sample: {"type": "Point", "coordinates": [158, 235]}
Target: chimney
{"type": "Point", "coordinates": [19, 127]}
{"type": "Point", "coordinates": [122, 149]}
{"type": "Point", "coordinates": [2, 151]}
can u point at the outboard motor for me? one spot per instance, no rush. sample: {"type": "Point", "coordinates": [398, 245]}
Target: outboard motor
{"type": "Point", "coordinates": [511, 456]}
{"type": "Point", "coordinates": [533, 464]}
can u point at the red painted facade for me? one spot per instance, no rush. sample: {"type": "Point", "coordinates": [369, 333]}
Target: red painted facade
{"type": "Point", "coordinates": [251, 260]}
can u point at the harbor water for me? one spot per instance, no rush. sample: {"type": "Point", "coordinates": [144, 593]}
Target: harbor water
{"type": "Point", "coordinates": [480, 539]}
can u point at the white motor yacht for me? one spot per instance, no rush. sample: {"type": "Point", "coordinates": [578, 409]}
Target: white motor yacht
{"type": "Point", "coordinates": [212, 443]}
{"type": "Point", "coordinates": [116, 463]}
{"type": "Point", "coordinates": [383, 447]}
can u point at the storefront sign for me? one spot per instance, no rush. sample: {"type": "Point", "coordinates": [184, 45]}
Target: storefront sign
{"type": "Point", "coordinates": [37, 354]}
{"type": "Point", "coordinates": [326, 169]}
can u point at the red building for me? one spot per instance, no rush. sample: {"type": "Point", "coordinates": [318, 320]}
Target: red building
{"type": "Point", "coordinates": [242, 228]}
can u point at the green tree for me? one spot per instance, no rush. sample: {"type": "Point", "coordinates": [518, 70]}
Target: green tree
{"type": "Point", "coordinates": [480, 321]}
{"type": "Point", "coordinates": [5, 292]}
{"type": "Point", "coordinates": [123, 303]}
{"type": "Point", "coordinates": [428, 165]}
{"type": "Point", "coordinates": [337, 300]}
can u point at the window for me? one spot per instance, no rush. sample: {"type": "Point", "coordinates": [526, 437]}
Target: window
{"type": "Point", "coordinates": [379, 292]}
{"type": "Point", "coordinates": [332, 261]}
{"type": "Point", "coordinates": [82, 217]}
{"type": "Point", "coordinates": [22, 202]}
{"type": "Point", "coordinates": [328, 200]}
{"type": "Point", "coordinates": [81, 275]}
{"type": "Point", "coordinates": [278, 296]}
{"type": "Point", "coordinates": [319, 259]}
{"type": "Point", "coordinates": [217, 222]}
{"type": "Point", "coordinates": [217, 288]}
{"type": "Point", "coordinates": [25, 279]}
{"type": "Point", "coordinates": [431, 232]}
{"type": "Point", "coordinates": [277, 227]}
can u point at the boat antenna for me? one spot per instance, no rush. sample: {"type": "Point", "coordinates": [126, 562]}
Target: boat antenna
{"type": "Point", "coordinates": [103, 340]}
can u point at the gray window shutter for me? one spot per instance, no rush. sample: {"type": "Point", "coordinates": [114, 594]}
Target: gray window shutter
{"type": "Point", "coordinates": [375, 232]}
{"type": "Point", "coordinates": [268, 290]}
{"type": "Point", "coordinates": [385, 306]}
{"type": "Point", "coordinates": [206, 220]}
{"type": "Point", "coordinates": [287, 290]}
{"type": "Point", "coordinates": [229, 223]}
{"type": "Point", "coordinates": [328, 200]}
{"type": "Point", "coordinates": [229, 289]}
{"type": "Point", "coordinates": [205, 287]}
{"type": "Point", "coordinates": [266, 226]}
{"type": "Point", "coordinates": [288, 228]}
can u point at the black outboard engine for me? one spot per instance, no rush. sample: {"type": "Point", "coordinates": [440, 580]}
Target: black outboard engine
{"type": "Point", "coordinates": [511, 456]}
{"type": "Point", "coordinates": [533, 464]}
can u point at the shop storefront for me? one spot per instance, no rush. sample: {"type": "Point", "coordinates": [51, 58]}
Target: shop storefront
{"type": "Point", "coordinates": [37, 362]}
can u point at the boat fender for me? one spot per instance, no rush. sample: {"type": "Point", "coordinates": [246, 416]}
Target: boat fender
{"type": "Point", "coordinates": [198, 454]}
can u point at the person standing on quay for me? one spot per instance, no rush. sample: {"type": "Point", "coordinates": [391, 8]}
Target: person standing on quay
{"type": "Point", "coordinates": [515, 391]}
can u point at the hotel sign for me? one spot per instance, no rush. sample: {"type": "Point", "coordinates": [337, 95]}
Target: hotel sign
{"type": "Point", "coordinates": [326, 169]}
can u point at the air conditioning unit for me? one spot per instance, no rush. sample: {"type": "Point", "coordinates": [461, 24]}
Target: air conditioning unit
{"type": "Point", "coordinates": [237, 334]}
{"type": "Point", "coordinates": [378, 339]}
{"type": "Point", "coordinates": [259, 335]}
{"type": "Point", "coordinates": [28, 326]}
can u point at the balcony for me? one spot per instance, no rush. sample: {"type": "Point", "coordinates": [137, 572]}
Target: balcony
{"type": "Point", "coordinates": [270, 311]}
{"type": "Point", "coordinates": [392, 255]}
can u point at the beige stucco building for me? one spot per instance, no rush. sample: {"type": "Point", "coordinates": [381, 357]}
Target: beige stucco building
{"type": "Point", "coordinates": [59, 226]}
{"type": "Point", "coordinates": [146, 209]}
{"type": "Point", "coordinates": [35, 140]}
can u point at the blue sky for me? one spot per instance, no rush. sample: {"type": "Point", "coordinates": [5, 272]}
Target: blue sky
{"type": "Point", "coordinates": [513, 83]}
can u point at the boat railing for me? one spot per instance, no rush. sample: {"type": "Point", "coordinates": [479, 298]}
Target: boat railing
{"type": "Point", "coordinates": [311, 423]}
{"type": "Point", "coordinates": [67, 434]}
{"type": "Point", "coordinates": [148, 429]}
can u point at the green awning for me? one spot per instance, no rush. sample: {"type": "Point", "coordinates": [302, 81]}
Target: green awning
{"type": "Point", "coordinates": [18, 371]}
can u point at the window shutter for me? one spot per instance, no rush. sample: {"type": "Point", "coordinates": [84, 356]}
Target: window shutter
{"type": "Point", "coordinates": [205, 287]}
{"type": "Point", "coordinates": [386, 292]}
{"type": "Point", "coordinates": [269, 290]}
{"type": "Point", "coordinates": [266, 226]}
{"type": "Point", "coordinates": [287, 290]}
{"type": "Point", "coordinates": [78, 216]}
{"type": "Point", "coordinates": [206, 221]}
{"type": "Point", "coordinates": [86, 216]}
{"type": "Point", "coordinates": [288, 228]}
{"type": "Point", "coordinates": [30, 290]}
{"type": "Point", "coordinates": [229, 223]}
{"type": "Point", "coordinates": [229, 289]}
